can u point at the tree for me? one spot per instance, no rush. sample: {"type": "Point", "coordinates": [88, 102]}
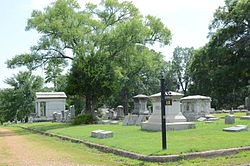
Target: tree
{"type": "Point", "coordinates": [18, 101]}
{"type": "Point", "coordinates": [53, 71]}
{"type": "Point", "coordinates": [180, 66]}
{"type": "Point", "coordinates": [226, 73]}
{"type": "Point", "coordinates": [98, 37]}
{"type": "Point", "coordinates": [140, 75]}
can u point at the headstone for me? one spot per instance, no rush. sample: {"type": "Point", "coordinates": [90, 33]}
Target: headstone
{"type": "Point", "coordinates": [58, 117]}
{"type": "Point", "coordinates": [247, 103]}
{"type": "Point", "coordinates": [245, 117]}
{"type": "Point", "coordinates": [237, 128]}
{"type": "Point", "coordinates": [105, 134]}
{"type": "Point", "coordinates": [106, 122]}
{"type": "Point", "coordinates": [102, 134]}
{"type": "Point", "coordinates": [201, 119]}
{"type": "Point", "coordinates": [96, 133]}
{"type": "Point", "coordinates": [229, 119]}
{"type": "Point", "coordinates": [211, 118]}
{"type": "Point", "coordinates": [31, 119]}
{"type": "Point", "coordinates": [72, 111]}
{"type": "Point", "coordinates": [63, 116]}
{"type": "Point", "coordinates": [120, 112]}
{"type": "Point", "coordinates": [114, 122]}
{"type": "Point", "coordinates": [54, 116]}
{"type": "Point", "coordinates": [231, 111]}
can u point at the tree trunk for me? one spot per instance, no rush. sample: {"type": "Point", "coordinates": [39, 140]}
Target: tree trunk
{"type": "Point", "coordinates": [125, 102]}
{"type": "Point", "coordinates": [90, 103]}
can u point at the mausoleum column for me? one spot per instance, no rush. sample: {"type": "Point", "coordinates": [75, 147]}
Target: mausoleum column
{"type": "Point", "coordinates": [38, 109]}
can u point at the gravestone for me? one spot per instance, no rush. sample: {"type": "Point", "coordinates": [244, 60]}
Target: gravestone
{"type": "Point", "coordinates": [96, 133]}
{"type": "Point", "coordinates": [101, 134]}
{"type": "Point", "coordinates": [245, 117]}
{"type": "Point", "coordinates": [247, 103]}
{"type": "Point", "coordinates": [229, 119]}
{"type": "Point", "coordinates": [211, 118]}
{"type": "Point", "coordinates": [72, 112]}
{"type": "Point", "coordinates": [114, 122]}
{"type": "Point", "coordinates": [120, 112]}
{"type": "Point", "coordinates": [54, 116]}
{"type": "Point", "coordinates": [63, 116]}
{"type": "Point", "coordinates": [236, 128]}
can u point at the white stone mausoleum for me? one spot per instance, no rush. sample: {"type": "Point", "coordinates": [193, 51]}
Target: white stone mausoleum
{"type": "Point", "coordinates": [49, 102]}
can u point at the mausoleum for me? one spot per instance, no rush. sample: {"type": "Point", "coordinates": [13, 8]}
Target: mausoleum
{"type": "Point", "coordinates": [194, 107]}
{"type": "Point", "coordinates": [49, 102]}
{"type": "Point", "coordinates": [174, 118]}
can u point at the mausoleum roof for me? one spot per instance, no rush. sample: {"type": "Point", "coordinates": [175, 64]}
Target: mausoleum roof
{"type": "Point", "coordinates": [196, 97]}
{"type": "Point", "coordinates": [50, 95]}
{"type": "Point", "coordinates": [170, 92]}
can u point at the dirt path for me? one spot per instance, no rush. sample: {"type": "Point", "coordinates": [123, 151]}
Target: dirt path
{"type": "Point", "coordinates": [17, 150]}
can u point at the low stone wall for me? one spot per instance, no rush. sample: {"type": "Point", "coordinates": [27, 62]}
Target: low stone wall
{"type": "Point", "coordinates": [151, 158]}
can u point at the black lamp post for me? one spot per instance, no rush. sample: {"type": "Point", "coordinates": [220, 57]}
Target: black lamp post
{"type": "Point", "coordinates": [163, 114]}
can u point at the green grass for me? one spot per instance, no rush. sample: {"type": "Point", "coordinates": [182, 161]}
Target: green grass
{"type": "Point", "coordinates": [84, 155]}
{"type": "Point", "coordinates": [132, 138]}
{"type": "Point", "coordinates": [237, 114]}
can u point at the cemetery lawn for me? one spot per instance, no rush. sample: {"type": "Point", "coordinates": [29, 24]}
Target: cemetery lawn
{"type": "Point", "coordinates": [206, 136]}
{"type": "Point", "coordinates": [237, 114]}
{"type": "Point", "coordinates": [68, 152]}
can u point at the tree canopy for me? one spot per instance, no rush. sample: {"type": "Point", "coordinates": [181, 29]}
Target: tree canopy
{"type": "Point", "coordinates": [107, 44]}
{"type": "Point", "coordinates": [221, 68]}
{"type": "Point", "coordinates": [18, 102]}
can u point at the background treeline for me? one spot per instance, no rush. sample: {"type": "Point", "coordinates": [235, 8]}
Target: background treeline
{"type": "Point", "coordinates": [107, 48]}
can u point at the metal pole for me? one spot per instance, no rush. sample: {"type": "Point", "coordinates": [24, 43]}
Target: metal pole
{"type": "Point", "coordinates": [163, 114]}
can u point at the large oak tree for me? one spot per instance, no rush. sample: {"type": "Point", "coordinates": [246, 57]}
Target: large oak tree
{"type": "Point", "coordinates": [97, 39]}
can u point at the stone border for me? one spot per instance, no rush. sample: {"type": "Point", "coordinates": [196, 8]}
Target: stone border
{"type": "Point", "coordinates": [150, 158]}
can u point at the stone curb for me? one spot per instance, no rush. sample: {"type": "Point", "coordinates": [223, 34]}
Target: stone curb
{"type": "Point", "coordinates": [150, 158]}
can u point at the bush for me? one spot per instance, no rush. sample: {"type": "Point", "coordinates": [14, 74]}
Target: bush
{"type": "Point", "coordinates": [83, 119]}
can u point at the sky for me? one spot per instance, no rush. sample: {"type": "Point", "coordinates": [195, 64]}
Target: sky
{"type": "Point", "coordinates": [188, 21]}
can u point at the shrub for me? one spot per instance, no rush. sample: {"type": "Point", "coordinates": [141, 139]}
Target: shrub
{"type": "Point", "coordinates": [83, 119]}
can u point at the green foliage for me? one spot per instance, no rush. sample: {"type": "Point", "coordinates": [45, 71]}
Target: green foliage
{"type": "Point", "coordinates": [221, 68]}
{"type": "Point", "coordinates": [107, 43]}
{"type": "Point", "coordinates": [83, 119]}
{"type": "Point", "coordinates": [180, 67]}
{"type": "Point", "coordinates": [18, 102]}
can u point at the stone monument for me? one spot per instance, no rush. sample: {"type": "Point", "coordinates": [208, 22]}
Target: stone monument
{"type": "Point", "coordinates": [72, 112]}
{"type": "Point", "coordinates": [120, 112]}
{"type": "Point", "coordinates": [174, 118]}
{"type": "Point", "coordinates": [140, 105]}
{"type": "Point", "coordinates": [194, 107]}
{"type": "Point", "coordinates": [229, 119]}
{"type": "Point", "coordinates": [139, 113]}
